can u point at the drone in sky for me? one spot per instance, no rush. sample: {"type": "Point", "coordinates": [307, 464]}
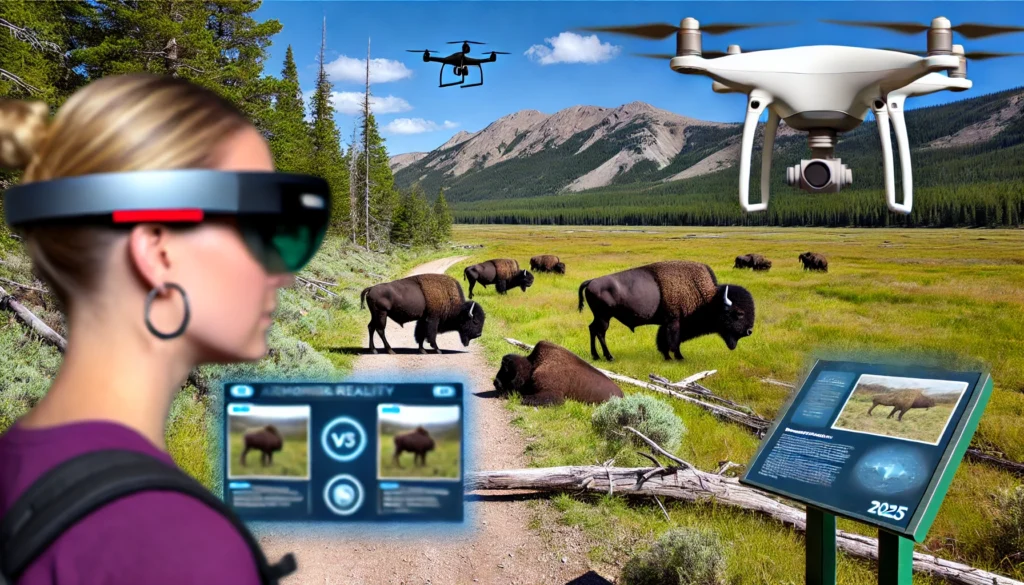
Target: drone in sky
{"type": "Point", "coordinates": [460, 62]}
{"type": "Point", "coordinates": [824, 90]}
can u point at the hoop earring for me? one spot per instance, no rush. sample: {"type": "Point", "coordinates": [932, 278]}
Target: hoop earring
{"type": "Point", "coordinates": [149, 303]}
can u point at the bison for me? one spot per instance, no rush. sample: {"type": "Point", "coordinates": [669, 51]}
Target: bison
{"type": "Point", "coordinates": [550, 375]}
{"type": "Point", "coordinates": [902, 401]}
{"type": "Point", "coordinates": [503, 273]}
{"type": "Point", "coordinates": [547, 263]}
{"type": "Point", "coordinates": [267, 440]}
{"type": "Point", "coordinates": [418, 442]}
{"type": "Point", "coordinates": [434, 301]}
{"type": "Point", "coordinates": [683, 298]}
{"type": "Point", "coordinates": [753, 261]}
{"type": "Point", "coordinates": [814, 261]}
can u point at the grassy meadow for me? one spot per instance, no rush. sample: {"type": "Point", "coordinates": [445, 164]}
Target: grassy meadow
{"type": "Point", "coordinates": [918, 424]}
{"type": "Point", "coordinates": [442, 463]}
{"type": "Point", "coordinates": [948, 298]}
{"type": "Point", "coordinates": [292, 461]}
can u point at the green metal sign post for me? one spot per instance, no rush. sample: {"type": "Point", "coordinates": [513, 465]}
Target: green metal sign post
{"type": "Point", "coordinates": [830, 450]}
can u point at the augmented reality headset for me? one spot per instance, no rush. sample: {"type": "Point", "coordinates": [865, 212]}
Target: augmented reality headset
{"type": "Point", "coordinates": [282, 217]}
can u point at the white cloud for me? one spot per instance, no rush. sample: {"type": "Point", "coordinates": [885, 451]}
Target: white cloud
{"type": "Point", "coordinates": [354, 70]}
{"type": "Point", "coordinates": [351, 103]}
{"type": "Point", "coordinates": [417, 126]}
{"type": "Point", "coordinates": [569, 47]}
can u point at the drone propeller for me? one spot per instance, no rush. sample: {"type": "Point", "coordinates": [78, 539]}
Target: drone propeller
{"type": "Point", "coordinates": [664, 31]}
{"type": "Point", "coordinates": [706, 54]}
{"type": "Point", "coordinates": [973, 56]}
{"type": "Point", "coordinates": [470, 42]}
{"type": "Point", "coordinates": [968, 30]}
{"type": "Point", "coordinates": [423, 51]}
{"type": "Point", "coordinates": [498, 53]}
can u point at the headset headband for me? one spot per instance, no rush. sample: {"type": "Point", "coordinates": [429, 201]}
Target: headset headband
{"type": "Point", "coordinates": [165, 196]}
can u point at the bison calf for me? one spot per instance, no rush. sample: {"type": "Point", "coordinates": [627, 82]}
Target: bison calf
{"type": "Point", "coordinates": [901, 401]}
{"type": "Point", "coordinates": [683, 298]}
{"type": "Point", "coordinates": [503, 273]}
{"type": "Point", "coordinates": [550, 375]}
{"type": "Point", "coordinates": [814, 261]}
{"type": "Point", "coordinates": [434, 301]}
{"type": "Point", "coordinates": [418, 442]}
{"type": "Point", "coordinates": [547, 263]}
{"type": "Point", "coordinates": [267, 440]}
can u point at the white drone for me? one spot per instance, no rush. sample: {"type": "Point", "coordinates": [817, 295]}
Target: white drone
{"type": "Point", "coordinates": [824, 90]}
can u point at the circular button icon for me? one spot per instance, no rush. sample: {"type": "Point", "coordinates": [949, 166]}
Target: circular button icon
{"type": "Point", "coordinates": [343, 439]}
{"type": "Point", "coordinates": [343, 494]}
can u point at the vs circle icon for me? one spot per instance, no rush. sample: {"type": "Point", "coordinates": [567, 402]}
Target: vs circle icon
{"type": "Point", "coordinates": [343, 495]}
{"type": "Point", "coordinates": [343, 439]}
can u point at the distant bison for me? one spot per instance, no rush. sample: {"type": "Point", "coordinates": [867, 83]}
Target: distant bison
{"type": "Point", "coordinates": [902, 401]}
{"type": "Point", "coordinates": [683, 298]}
{"type": "Point", "coordinates": [418, 442]}
{"type": "Point", "coordinates": [503, 273]}
{"type": "Point", "coordinates": [434, 301]}
{"type": "Point", "coordinates": [267, 440]}
{"type": "Point", "coordinates": [754, 261]}
{"type": "Point", "coordinates": [550, 375]}
{"type": "Point", "coordinates": [814, 261]}
{"type": "Point", "coordinates": [547, 263]}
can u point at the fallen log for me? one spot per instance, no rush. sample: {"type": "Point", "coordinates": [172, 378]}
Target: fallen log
{"type": "Point", "coordinates": [693, 485]}
{"type": "Point", "coordinates": [35, 323]}
{"type": "Point", "coordinates": [687, 386]}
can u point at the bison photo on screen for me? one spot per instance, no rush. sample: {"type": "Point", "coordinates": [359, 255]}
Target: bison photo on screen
{"type": "Point", "coordinates": [268, 442]}
{"type": "Point", "coordinates": [419, 442]}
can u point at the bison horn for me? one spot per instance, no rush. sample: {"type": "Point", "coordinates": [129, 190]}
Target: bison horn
{"type": "Point", "coordinates": [728, 303]}
{"type": "Point", "coordinates": [471, 309]}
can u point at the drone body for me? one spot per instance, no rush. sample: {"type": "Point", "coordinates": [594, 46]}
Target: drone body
{"type": "Point", "coordinates": [460, 63]}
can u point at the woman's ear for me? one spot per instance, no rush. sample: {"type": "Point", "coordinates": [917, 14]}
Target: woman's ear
{"type": "Point", "coordinates": [149, 254]}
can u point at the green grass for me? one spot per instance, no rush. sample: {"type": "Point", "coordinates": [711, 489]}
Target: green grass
{"type": "Point", "coordinates": [442, 462]}
{"type": "Point", "coordinates": [940, 297]}
{"type": "Point", "coordinates": [918, 424]}
{"type": "Point", "coordinates": [291, 461]}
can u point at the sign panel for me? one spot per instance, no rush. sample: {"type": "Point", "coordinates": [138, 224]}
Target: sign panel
{"type": "Point", "coordinates": [874, 443]}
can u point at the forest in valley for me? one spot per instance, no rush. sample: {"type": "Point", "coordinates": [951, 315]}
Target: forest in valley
{"type": "Point", "coordinates": [50, 48]}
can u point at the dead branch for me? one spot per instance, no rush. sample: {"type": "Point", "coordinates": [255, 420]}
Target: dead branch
{"type": "Point", "coordinates": [315, 286]}
{"type": "Point", "coordinates": [777, 383]}
{"type": "Point", "coordinates": [696, 486]}
{"type": "Point", "coordinates": [657, 447]}
{"type": "Point", "coordinates": [30, 37]}
{"type": "Point", "coordinates": [5, 74]}
{"type": "Point", "coordinates": [25, 286]}
{"type": "Point", "coordinates": [693, 387]}
{"type": "Point", "coordinates": [35, 323]}
{"type": "Point", "coordinates": [726, 466]}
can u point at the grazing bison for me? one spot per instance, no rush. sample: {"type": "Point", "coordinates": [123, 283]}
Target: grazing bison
{"type": "Point", "coordinates": [814, 261]}
{"type": "Point", "coordinates": [683, 298]}
{"type": "Point", "coordinates": [547, 263]}
{"type": "Point", "coordinates": [418, 442]}
{"type": "Point", "coordinates": [550, 375]}
{"type": "Point", "coordinates": [754, 261]}
{"type": "Point", "coordinates": [902, 401]}
{"type": "Point", "coordinates": [503, 273]}
{"type": "Point", "coordinates": [267, 440]}
{"type": "Point", "coordinates": [434, 301]}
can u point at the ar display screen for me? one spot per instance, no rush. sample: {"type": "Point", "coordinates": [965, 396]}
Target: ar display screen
{"type": "Point", "coordinates": [344, 452]}
{"type": "Point", "coordinates": [868, 442]}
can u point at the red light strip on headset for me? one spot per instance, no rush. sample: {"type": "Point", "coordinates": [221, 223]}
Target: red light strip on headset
{"type": "Point", "coordinates": [158, 215]}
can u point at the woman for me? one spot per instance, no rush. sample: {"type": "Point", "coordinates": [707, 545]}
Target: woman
{"type": "Point", "coordinates": [117, 380]}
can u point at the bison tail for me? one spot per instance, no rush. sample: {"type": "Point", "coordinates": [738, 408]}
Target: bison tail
{"type": "Point", "coordinates": [583, 286]}
{"type": "Point", "coordinates": [465, 274]}
{"type": "Point", "coordinates": [362, 297]}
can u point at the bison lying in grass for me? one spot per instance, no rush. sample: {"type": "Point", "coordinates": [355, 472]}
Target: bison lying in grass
{"type": "Point", "coordinates": [503, 273]}
{"type": "Point", "coordinates": [683, 298]}
{"type": "Point", "coordinates": [267, 440]}
{"type": "Point", "coordinates": [552, 374]}
{"type": "Point", "coordinates": [418, 442]}
{"type": "Point", "coordinates": [814, 261]}
{"type": "Point", "coordinates": [434, 301]}
{"type": "Point", "coordinates": [547, 263]}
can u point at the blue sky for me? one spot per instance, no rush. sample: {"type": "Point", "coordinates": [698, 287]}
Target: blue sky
{"type": "Point", "coordinates": [416, 115]}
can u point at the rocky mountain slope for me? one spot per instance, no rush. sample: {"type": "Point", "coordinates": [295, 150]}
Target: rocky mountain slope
{"type": "Point", "coordinates": [530, 153]}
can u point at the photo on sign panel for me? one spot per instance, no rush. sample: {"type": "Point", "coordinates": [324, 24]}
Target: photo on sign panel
{"type": "Point", "coordinates": [268, 442]}
{"type": "Point", "coordinates": [912, 409]}
{"type": "Point", "coordinates": [419, 442]}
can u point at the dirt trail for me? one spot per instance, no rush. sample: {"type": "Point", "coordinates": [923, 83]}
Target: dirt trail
{"type": "Point", "coordinates": [500, 549]}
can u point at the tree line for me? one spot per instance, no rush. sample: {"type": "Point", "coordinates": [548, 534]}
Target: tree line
{"type": "Point", "coordinates": [51, 48]}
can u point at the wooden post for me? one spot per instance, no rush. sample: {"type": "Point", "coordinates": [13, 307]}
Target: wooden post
{"type": "Point", "coordinates": [821, 547]}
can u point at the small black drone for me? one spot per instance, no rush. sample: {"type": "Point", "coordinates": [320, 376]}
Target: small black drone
{"type": "Point", "coordinates": [459, 62]}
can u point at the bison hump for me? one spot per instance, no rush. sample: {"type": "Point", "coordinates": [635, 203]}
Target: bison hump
{"type": "Point", "coordinates": [441, 293]}
{"type": "Point", "coordinates": [685, 286]}
{"type": "Point", "coordinates": [505, 268]}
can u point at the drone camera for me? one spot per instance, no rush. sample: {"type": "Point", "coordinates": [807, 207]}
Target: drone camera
{"type": "Point", "coordinates": [819, 175]}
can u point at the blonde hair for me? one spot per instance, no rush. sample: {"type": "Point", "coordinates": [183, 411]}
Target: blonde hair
{"type": "Point", "coordinates": [115, 124]}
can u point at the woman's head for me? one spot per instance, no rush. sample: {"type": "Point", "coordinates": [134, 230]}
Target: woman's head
{"type": "Point", "coordinates": [135, 123]}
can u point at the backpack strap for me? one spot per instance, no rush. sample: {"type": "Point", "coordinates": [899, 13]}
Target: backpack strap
{"type": "Point", "coordinates": [72, 490]}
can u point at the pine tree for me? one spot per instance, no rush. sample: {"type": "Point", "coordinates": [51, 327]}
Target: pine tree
{"type": "Point", "coordinates": [442, 217]}
{"type": "Point", "coordinates": [36, 40]}
{"type": "Point", "coordinates": [290, 139]}
{"type": "Point", "coordinates": [327, 160]}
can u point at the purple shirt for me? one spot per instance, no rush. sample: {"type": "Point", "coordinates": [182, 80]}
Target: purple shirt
{"type": "Point", "coordinates": [149, 538]}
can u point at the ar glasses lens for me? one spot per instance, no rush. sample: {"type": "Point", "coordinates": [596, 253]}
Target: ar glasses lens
{"type": "Point", "coordinates": [284, 248]}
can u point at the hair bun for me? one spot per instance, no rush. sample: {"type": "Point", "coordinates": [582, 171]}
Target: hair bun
{"type": "Point", "coordinates": [23, 126]}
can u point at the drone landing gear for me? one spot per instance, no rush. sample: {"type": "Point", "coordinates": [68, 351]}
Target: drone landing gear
{"type": "Point", "coordinates": [474, 84]}
{"type": "Point", "coordinates": [440, 78]}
